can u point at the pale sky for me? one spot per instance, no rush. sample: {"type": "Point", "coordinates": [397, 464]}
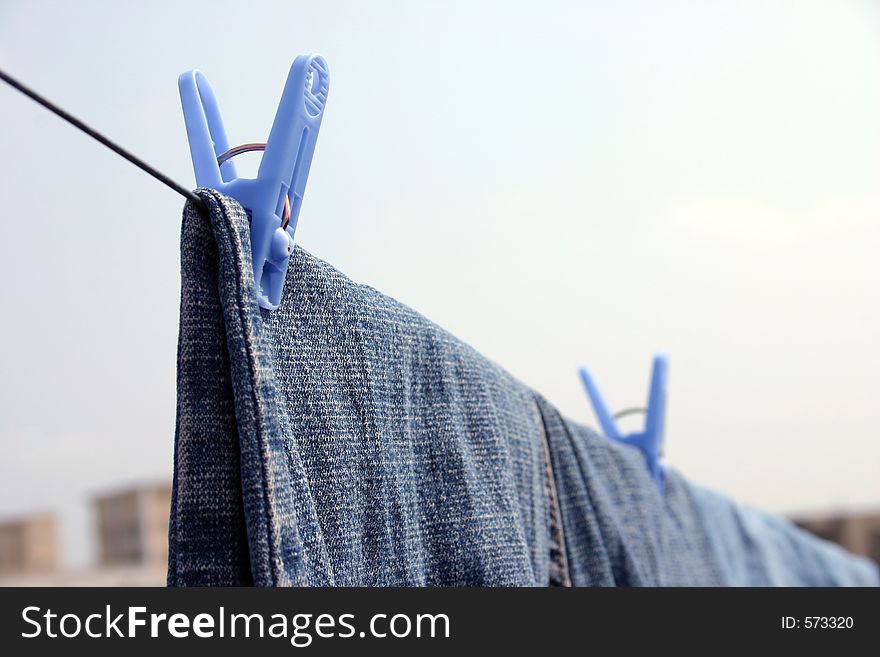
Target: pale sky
{"type": "Point", "coordinates": [556, 183]}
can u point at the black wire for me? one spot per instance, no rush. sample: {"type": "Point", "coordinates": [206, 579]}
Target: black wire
{"type": "Point", "coordinates": [94, 134]}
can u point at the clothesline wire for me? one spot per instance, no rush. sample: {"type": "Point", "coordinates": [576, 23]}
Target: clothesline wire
{"type": "Point", "coordinates": [94, 134]}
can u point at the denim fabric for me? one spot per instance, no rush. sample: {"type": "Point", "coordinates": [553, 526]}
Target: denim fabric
{"type": "Point", "coordinates": [344, 439]}
{"type": "Point", "coordinates": [756, 548]}
{"type": "Point", "coordinates": [619, 531]}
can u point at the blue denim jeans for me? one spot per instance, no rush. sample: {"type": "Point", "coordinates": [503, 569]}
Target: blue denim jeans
{"type": "Point", "coordinates": [343, 439]}
{"type": "Point", "coordinates": [755, 548]}
{"type": "Point", "coordinates": [618, 530]}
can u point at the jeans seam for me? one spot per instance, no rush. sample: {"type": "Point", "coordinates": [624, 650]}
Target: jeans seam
{"type": "Point", "coordinates": [558, 575]}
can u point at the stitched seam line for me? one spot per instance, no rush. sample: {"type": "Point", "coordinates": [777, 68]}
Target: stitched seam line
{"type": "Point", "coordinates": [559, 575]}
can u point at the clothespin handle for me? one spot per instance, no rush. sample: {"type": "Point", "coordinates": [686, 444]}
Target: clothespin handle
{"type": "Point", "coordinates": [204, 130]}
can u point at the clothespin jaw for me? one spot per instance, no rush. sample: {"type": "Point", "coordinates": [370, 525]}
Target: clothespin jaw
{"type": "Point", "coordinates": [274, 198]}
{"type": "Point", "coordinates": [650, 441]}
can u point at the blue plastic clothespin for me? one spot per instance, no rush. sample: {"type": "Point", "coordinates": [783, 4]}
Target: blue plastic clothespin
{"type": "Point", "coordinates": [272, 199]}
{"type": "Point", "coordinates": [649, 441]}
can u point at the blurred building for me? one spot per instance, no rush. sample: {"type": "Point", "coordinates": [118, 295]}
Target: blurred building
{"type": "Point", "coordinates": [131, 531]}
{"type": "Point", "coordinates": [29, 545]}
{"type": "Point", "coordinates": [132, 525]}
{"type": "Point", "coordinates": [857, 532]}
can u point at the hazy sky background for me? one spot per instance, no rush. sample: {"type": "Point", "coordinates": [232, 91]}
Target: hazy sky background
{"type": "Point", "coordinates": [553, 182]}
